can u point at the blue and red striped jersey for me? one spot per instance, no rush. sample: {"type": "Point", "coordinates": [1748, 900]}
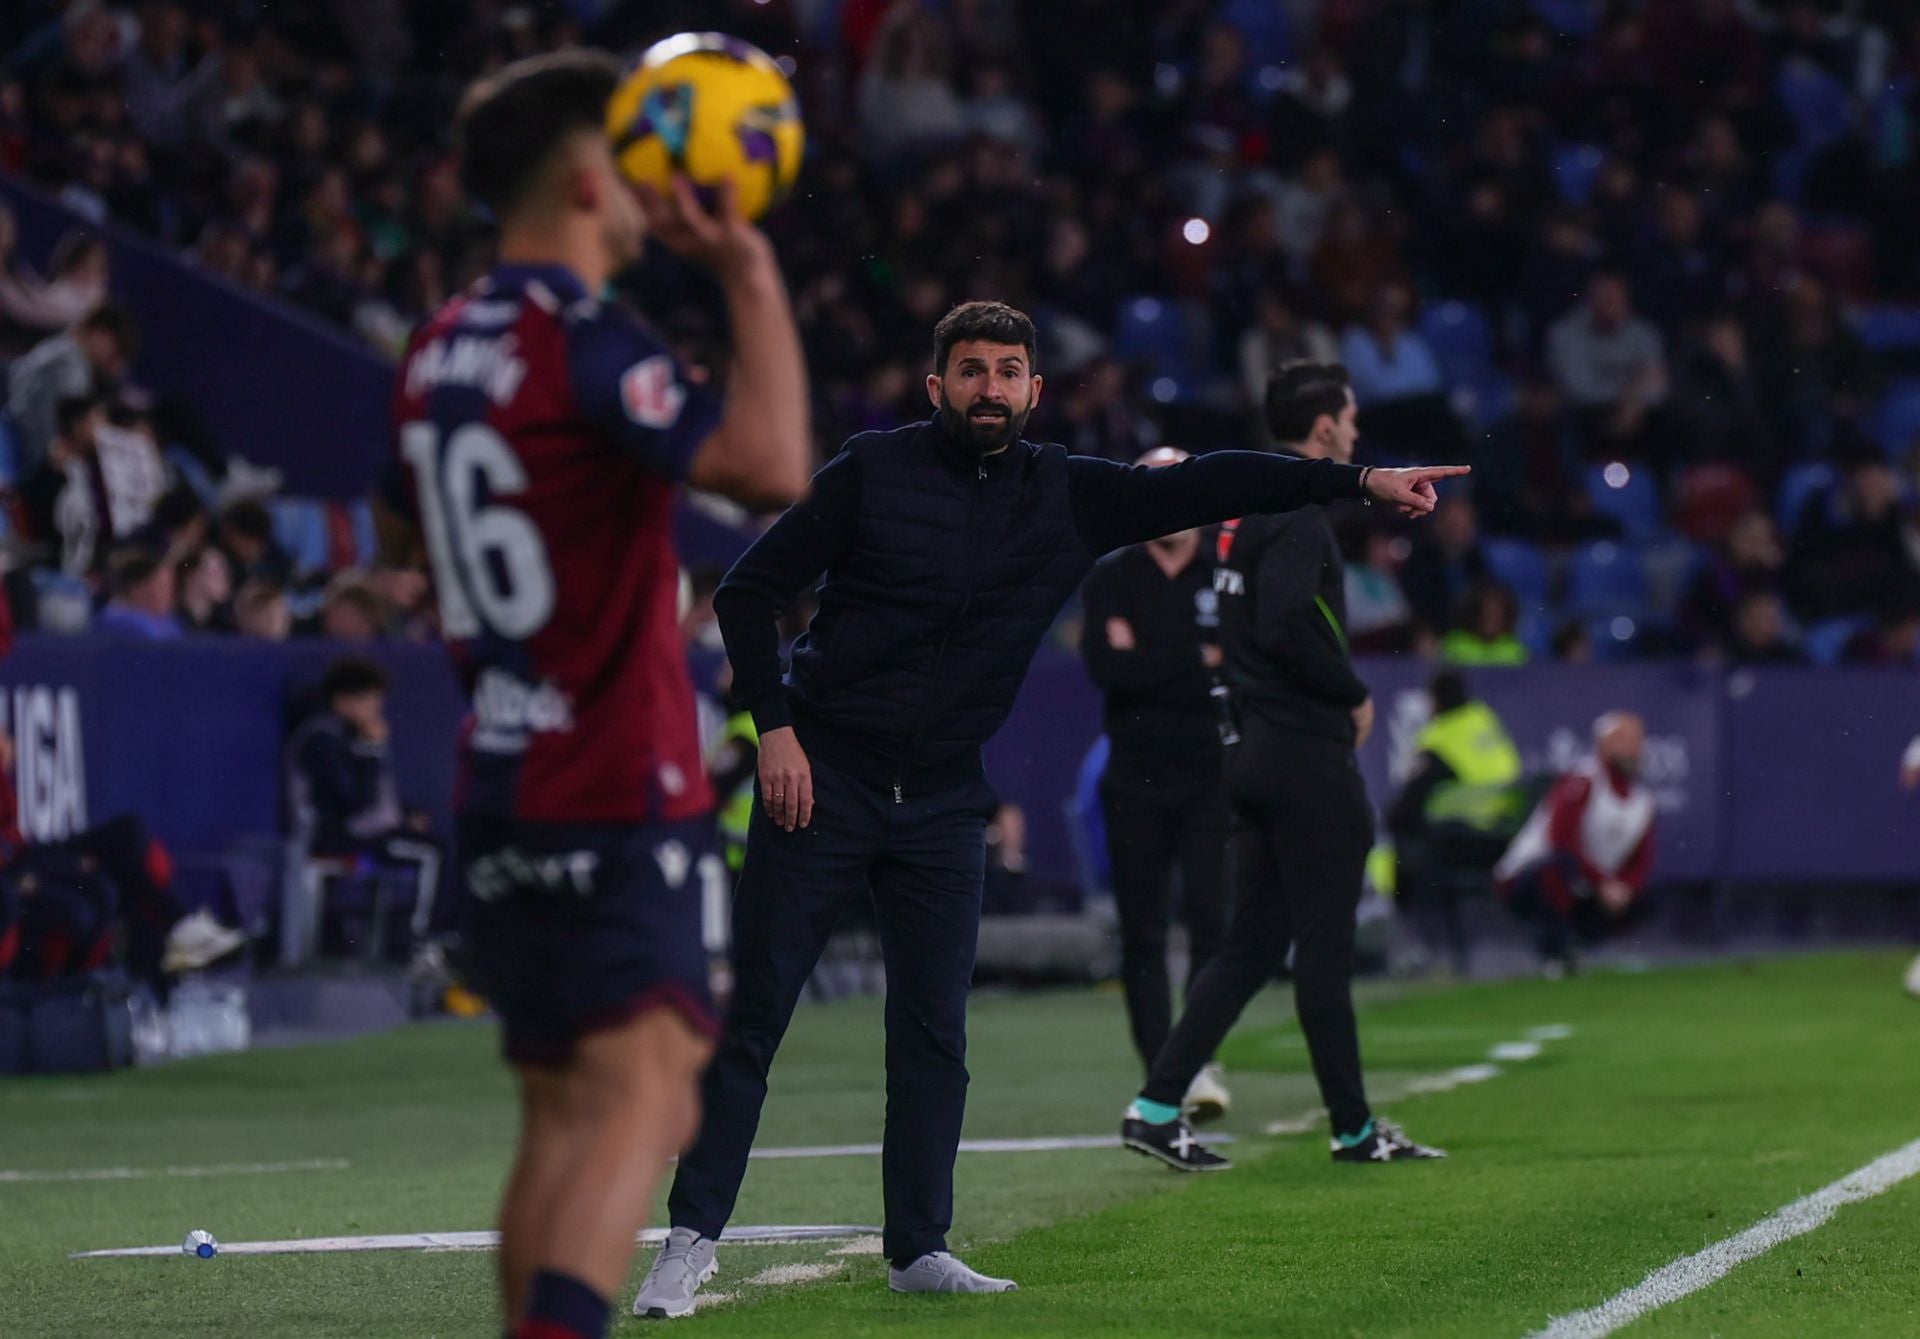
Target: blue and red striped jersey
{"type": "Point", "coordinates": [541, 432]}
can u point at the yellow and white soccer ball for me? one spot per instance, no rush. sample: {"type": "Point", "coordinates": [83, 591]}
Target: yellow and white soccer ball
{"type": "Point", "coordinates": [712, 108]}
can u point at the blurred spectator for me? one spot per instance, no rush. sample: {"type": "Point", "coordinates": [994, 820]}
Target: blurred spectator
{"type": "Point", "coordinates": [130, 471]}
{"type": "Point", "coordinates": [178, 526]}
{"type": "Point", "coordinates": [143, 587]}
{"type": "Point", "coordinates": [1759, 632]}
{"type": "Point", "coordinates": [1675, 267]}
{"type": "Point", "coordinates": [1572, 643]}
{"type": "Point", "coordinates": [905, 99]}
{"type": "Point", "coordinates": [31, 307]}
{"type": "Point", "coordinates": [245, 531]}
{"type": "Point", "coordinates": [260, 610]}
{"type": "Point", "coordinates": [1397, 377]}
{"type": "Point", "coordinates": [1892, 639]}
{"type": "Point", "coordinates": [59, 495]}
{"type": "Point", "coordinates": [1379, 619]}
{"type": "Point", "coordinates": [1718, 406]}
{"type": "Point", "coordinates": [1812, 369]}
{"type": "Point", "coordinates": [350, 611]}
{"type": "Point", "coordinates": [1848, 549]}
{"type": "Point", "coordinates": [206, 591]}
{"type": "Point", "coordinates": [1750, 559]}
{"type": "Point", "coordinates": [344, 798]}
{"type": "Point", "coordinates": [90, 359]}
{"type": "Point", "coordinates": [1612, 366]}
{"type": "Point", "coordinates": [1279, 335]}
{"type": "Point", "coordinates": [1445, 561]}
{"type": "Point", "coordinates": [1484, 634]}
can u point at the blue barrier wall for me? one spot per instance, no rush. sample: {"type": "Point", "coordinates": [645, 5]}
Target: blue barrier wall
{"type": "Point", "coordinates": [1779, 774]}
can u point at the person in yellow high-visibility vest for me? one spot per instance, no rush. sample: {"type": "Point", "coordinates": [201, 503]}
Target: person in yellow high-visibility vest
{"type": "Point", "coordinates": [1459, 807]}
{"type": "Point", "coordinates": [734, 766]}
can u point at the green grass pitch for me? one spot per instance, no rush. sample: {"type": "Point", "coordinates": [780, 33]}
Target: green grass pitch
{"type": "Point", "coordinates": [1684, 1106]}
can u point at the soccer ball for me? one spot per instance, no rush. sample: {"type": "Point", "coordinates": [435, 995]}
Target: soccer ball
{"type": "Point", "coordinates": [714, 109]}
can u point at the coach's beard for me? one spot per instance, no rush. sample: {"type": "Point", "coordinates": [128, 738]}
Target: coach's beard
{"type": "Point", "coordinates": [985, 427]}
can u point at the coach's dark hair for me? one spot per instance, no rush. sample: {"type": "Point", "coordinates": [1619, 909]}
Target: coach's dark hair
{"type": "Point", "coordinates": [994, 322]}
{"type": "Point", "coordinates": [1448, 689]}
{"type": "Point", "coordinates": [350, 676]}
{"type": "Point", "coordinates": [511, 122]}
{"type": "Point", "coordinates": [1299, 393]}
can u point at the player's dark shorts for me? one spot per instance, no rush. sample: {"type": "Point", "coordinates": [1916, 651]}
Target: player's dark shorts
{"type": "Point", "coordinates": [578, 927]}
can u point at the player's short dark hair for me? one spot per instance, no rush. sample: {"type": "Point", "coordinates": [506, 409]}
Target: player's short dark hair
{"type": "Point", "coordinates": [131, 568]}
{"type": "Point", "coordinates": [1448, 689]}
{"type": "Point", "coordinates": [350, 676]}
{"type": "Point", "coordinates": [993, 322]}
{"type": "Point", "coordinates": [1299, 393]}
{"type": "Point", "coordinates": [178, 507]}
{"type": "Point", "coordinates": [511, 122]}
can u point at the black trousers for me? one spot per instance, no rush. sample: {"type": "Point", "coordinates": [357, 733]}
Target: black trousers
{"type": "Point", "coordinates": [925, 861]}
{"type": "Point", "coordinates": [1301, 832]}
{"type": "Point", "coordinates": [1152, 830]}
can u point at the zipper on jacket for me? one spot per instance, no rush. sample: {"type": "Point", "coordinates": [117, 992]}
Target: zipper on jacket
{"type": "Point", "coordinates": [940, 656]}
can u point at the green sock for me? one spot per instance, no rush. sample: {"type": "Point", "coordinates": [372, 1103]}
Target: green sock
{"type": "Point", "coordinates": [1349, 1140]}
{"type": "Point", "coordinates": [1156, 1113]}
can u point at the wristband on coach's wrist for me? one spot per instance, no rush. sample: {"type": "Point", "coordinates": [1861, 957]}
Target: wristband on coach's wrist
{"type": "Point", "coordinates": [1366, 472]}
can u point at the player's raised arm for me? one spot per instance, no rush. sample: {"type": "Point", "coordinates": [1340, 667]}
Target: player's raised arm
{"type": "Point", "coordinates": [759, 453]}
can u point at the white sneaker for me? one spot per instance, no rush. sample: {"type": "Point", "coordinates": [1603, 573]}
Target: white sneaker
{"type": "Point", "coordinates": [1207, 1097]}
{"type": "Point", "coordinates": [940, 1272]}
{"type": "Point", "coordinates": [198, 940]}
{"type": "Point", "coordinates": [684, 1263]}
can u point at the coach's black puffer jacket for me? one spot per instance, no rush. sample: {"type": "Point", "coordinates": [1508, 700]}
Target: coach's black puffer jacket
{"type": "Point", "coordinates": [944, 569]}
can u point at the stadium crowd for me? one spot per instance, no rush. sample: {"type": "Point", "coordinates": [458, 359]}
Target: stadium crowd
{"type": "Point", "coordinates": [1648, 266]}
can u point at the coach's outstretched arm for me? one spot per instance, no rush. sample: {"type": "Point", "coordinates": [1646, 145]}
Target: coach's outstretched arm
{"type": "Point", "coordinates": [1116, 505]}
{"type": "Point", "coordinates": [760, 452]}
{"type": "Point", "coordinates": [784, 561]}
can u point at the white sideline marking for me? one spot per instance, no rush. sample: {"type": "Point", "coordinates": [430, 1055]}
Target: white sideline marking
{"type": "Point", "coordinates": [474, 1241]}
{"type": "Point", "coordinates": [858, 1246]}
{"type": "Point", "coordinates": [1453, 1078]}
{"type": "Point", "coordinates": [780, 1276]}
{"type": "Point", "coordinates": [143, 1173]}
{"type": "Point", "coordinates": [1691, 1273]}
{"type": "Point", "coordinates": [1514, 1050]}
{"type": "Point", "coordinates": [1550, 1032]}
{"type": "Point", "coordinates": [704, 1300]}
{"type": "Point", "coordinates": [1053, 1144]}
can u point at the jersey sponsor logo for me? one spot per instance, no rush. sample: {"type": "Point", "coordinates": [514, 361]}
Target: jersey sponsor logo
{"type": "Point", "coordinates": [488, 363]}
{"type": "Point", "coordinates": [651, 394]}
{"type": "Point", "coordinates": [1227, 581]}
{"type": "Point", "coordinates": [508, 711]}
{"type": "Point", "coordinates": [511, 870]}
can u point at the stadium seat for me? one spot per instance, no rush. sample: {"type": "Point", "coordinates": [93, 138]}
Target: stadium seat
{"type": "Point", "coordinates": [1815, 102]}
{"type": "Point", "coordinates": [1897, 421]}
{"type": "Point", "coordinates": [1575, 166]}
{"type": "Point", "coordinates": [1265, 27]}
{"type": "Point", "coordinates": [1608, 579]}
{"type": "Point", "coordinates": [1889, 329]}
{"type": "Point", "coordinates": [1153, 332]}
{"type": "Point", "coordinates": [1671, 564]}
{"type": "Point", "coordinates": [9, 453]}
{"type": "Point", "coordinates": [1708, 499]}
{"type": "Point", "coordinates": [300, 526]}
{"type": "Point", "coordinates": [1798, 485]}
{"type": "Point", "coordinates": [366, 541]}
{"type": "Point", "coordinates": [1461, 337]}
{"type": "Point", "coordinates": [1629, 494]}
{"type": "Point", "coordinates": [1826, 642]}
{"type": "Point", "coordinates": [1569, 18]}
{"type": "Point", "coordinates": [1521, 566]}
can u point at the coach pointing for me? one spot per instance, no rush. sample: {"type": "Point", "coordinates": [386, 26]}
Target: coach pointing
{"type": "Point", "coordinates": [948, 547]}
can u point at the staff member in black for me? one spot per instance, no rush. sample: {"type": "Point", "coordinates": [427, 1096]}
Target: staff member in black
{"type": "Point", "coordinates": [948, 548]}
{"type": "Point", "coordinates": [1151, 641]}
{"type": "Point", "coordinates": [1301, 822]}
